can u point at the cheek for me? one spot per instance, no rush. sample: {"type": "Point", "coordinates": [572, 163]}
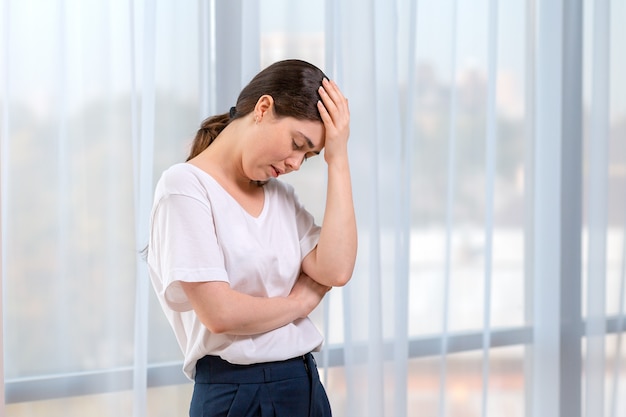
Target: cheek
{"type": "Point", "coordinates": [274, 151]}
{"type": "Point", "coordinates": [250, 160]}
{"type": "Point", "coordinates": [267, 150]}
{"type": "Point", "coordinates": [255, 162]}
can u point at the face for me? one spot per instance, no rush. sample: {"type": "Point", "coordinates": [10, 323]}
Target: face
{"type": "Point", "coordinates": [279, 146]}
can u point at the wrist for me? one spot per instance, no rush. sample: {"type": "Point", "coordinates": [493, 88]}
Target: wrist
{"type": "Point", "coordinates": [338, 159]}
{"type": "Point", "coordinates": [297, 305]}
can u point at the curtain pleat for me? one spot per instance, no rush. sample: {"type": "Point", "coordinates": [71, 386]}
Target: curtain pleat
{"type": "Point", "coordinates": [63, 186]}
{"type": "Point", "coordinates": [530, 27]}
{"type": "Point", "coordinates": [450, 205]}
{"type": "Point", "coordinates": [143, 161]}
{"type": "Point", "coordinates": [4, 166]}
{"type": "Point", "coordinates": [250, 41]}
{"type": "Point", "coordinates": [361, 298]}
{"type": "Point", "coordinates": [621, 319]}
{"type": "Point", "coordinates": [615, 402]}
{"type": "Point", "coordinates": [330, 40]}
{"type": "Point", "coordinates": [546, 245]}
{"type": "Point", "coordinates": [331, 37]}
{"type": "Point", "coordinates": [402, 242]}
{"type": "Point", "coordinates": [597, 213]}
{"type": "Point", "coordinates": [206, 81]}
{"type": "Point", "coordinates": [237, 49]}
{"type": "Point", "coordinates": [490, 176]}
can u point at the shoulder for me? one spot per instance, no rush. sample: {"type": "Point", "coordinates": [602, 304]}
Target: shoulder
{"type": "Point", "coordinates": [184, 179]}
{"type": "Point", "coordinates": [178, 174]}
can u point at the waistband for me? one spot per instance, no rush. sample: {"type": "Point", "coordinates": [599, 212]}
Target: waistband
{"type": "Point", "coordinates": [215, 370]}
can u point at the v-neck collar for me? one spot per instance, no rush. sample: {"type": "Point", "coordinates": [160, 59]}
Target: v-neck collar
{"type": "Point", "coordinates": [261, 214]}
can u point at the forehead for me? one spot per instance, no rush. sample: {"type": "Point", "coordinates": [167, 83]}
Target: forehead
{"type": "Point", "coordinates": [310, 131]}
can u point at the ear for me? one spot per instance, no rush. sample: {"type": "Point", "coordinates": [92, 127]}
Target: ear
{"type": "Point", "coordinates": [263, 106]}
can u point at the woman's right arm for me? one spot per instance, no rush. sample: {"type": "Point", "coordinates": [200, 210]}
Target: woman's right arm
{"type": "Point", "coordinates": [224, 310]}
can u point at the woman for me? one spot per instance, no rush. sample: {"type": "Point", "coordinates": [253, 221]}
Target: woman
{"type": "Point", "coordinates": [236, 261]}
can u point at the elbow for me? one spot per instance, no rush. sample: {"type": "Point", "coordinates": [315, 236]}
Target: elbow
{"type": "Point", "coordinates": [217, 325]}
{"type": "Point", "coordinates": [343, 271]}
{"type": "Point", "coordinates": [216, 329]}
{"type": "Point", "coordinates": [344, 275]}
{"type": "Point", "coordinates": [338, 276]}
{"type": "Point", "coordinates": [341, 282]}
{"type": "Point", "coordinates": [341, 279]}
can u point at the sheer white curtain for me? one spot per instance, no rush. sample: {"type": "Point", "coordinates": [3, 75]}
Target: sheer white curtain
{"type": "Point", "coordinates": [96, 98]}
{"type": "Point", "coordinates": [488, 169]}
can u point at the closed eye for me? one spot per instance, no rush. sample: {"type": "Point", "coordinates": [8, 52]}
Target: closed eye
{"type": "Point", "coordinates": [295, 146]}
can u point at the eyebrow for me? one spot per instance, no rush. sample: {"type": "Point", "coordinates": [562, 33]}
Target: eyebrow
{"type": "Point", "coordinates": [309, 142]}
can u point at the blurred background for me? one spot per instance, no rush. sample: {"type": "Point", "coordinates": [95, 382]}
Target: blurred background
{"type": "Point", "coordinates": [488, 152]}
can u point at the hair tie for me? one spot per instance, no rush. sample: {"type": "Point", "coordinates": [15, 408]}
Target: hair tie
{"type": "Point", "coordinates": [233, 111]}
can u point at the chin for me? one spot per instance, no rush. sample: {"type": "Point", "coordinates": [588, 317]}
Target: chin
{"type": "Point", "coordinates": [263, 179]}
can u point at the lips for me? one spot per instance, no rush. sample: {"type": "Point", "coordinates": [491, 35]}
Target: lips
{"type": "Point", "coordinates": [275, 171]}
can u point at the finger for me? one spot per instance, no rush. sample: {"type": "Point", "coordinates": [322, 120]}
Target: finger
{"type": "Point", "coordinates": [332, 88]}
{"type": "Point", "coordinates": [327, 100]}
{"type": "Point", "coordinates": [336, 108]}
{"type": "Point", "coordinates": [334, 92]}
{"type": "Point", "coordinates": [328, 121]}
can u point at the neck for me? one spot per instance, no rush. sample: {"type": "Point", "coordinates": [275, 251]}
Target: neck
{"type": "Point", "coordinates": [223, 158]}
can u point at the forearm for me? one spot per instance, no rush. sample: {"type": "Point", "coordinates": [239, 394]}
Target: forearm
{"type": "Point", "coordinates": [224, 310]}
{"type": "Point", "coordinates": [333, 259]}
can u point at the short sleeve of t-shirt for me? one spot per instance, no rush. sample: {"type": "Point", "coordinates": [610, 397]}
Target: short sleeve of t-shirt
{"type": "Point", "coordinates": [189, 250]}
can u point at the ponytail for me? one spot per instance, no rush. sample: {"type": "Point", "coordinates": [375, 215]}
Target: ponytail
{"type": "Point", "coordinates": [209, 129]}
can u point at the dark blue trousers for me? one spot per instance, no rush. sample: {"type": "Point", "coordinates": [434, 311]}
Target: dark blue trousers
{"type": "Point", "coordinates": [290, 388]}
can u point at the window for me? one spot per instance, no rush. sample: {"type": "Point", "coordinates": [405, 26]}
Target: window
{"type": "Point", "coordinates": [488, 169]}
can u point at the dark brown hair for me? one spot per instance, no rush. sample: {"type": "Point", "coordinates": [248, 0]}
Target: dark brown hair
{"type": "Point", "coordinates": [293, 85]}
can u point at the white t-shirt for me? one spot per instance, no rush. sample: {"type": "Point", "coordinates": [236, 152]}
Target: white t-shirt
{"type": "Point", "coordinates": [200, 233]}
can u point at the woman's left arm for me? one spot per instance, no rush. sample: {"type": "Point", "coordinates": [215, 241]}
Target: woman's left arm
{"type": "Point", "coordinates": [332, 261]}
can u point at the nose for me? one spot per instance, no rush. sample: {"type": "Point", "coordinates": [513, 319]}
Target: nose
{"type": "Point", "coordinates": [293, 163]}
